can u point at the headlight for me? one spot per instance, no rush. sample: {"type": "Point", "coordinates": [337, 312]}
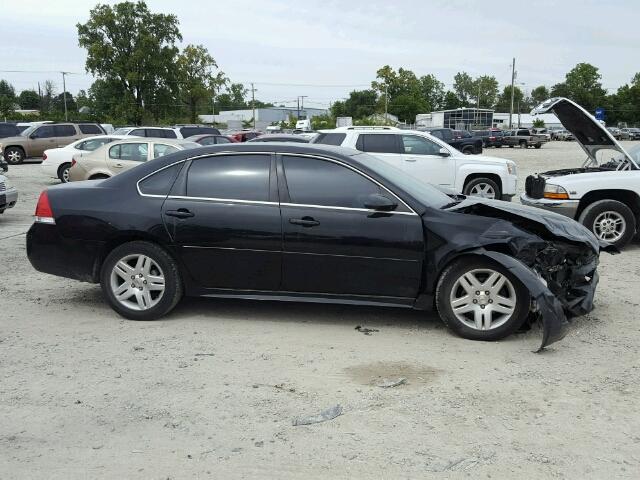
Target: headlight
{"type": "Point", "coordinates": [555, 192]}
{"type": "Point", "coordinates": [511, 167]}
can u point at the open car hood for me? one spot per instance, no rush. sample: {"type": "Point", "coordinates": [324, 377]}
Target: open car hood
{"type": "Point", "coordinates": [588, 132]}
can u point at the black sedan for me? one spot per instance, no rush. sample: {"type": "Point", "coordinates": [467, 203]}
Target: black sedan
{"type": "Point", "coordinates": [313, 223]}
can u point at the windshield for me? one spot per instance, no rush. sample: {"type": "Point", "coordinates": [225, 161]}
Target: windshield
{"type": "Point", "coordinates": [611, 159]}
{"type": "Point", "coordinates": [29, 130]}
{"type": "Point", "coordinates": [425, 193]}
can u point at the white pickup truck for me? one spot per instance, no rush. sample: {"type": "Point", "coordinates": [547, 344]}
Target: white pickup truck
{"type": "Point", "coordinates": [604, 193]}
{"type": "Point", "coordinates": [429, 159]}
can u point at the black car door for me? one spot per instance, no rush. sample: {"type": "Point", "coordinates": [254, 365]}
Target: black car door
{"type": "Point", "coordinates": [224, 219]}
{"type": "Point", "coordinates": [333, 244]}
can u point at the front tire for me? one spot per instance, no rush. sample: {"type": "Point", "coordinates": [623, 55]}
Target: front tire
{"type": "Point", "coordinates": [482, 187]}
{"type": "Point", "coordinates": [63, 172]}
{"type": "Point", "coordinates": [611, 221]}
{"type": "Point", "coordinates": [14, 155]}
{"type": "Point", "coordinates": [467, 150]}
{"type": "Point", "coordinates": [479, 299]}
{"type": "Point", "coordinates": [141, 281]}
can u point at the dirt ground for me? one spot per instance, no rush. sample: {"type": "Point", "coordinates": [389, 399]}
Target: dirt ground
{"type": "Point", "coordinates": [211, 391]}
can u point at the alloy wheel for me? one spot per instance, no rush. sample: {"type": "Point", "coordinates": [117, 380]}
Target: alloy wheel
{"type": "Point", "coordinates": [483, 190]}
{"type": "Point", "coordinates": [14, 156]}
{"type": "Point", "coordinates": [137, 282]}
{"type": "Point", "coordinates": [483, 299]}
{"type": "Point", "coordinates": [609, 226]}
{"type": "Point", "coordinates": [65, 175]}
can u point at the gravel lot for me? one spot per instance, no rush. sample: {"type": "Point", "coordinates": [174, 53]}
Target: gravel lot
{"type": "Point", "coordinates": [211, 390]}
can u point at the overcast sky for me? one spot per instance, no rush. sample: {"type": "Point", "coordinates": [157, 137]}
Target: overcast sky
{"type": "Point", "coordinates": [324, 49]}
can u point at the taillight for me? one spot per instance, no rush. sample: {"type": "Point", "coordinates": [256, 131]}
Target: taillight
{"type": "Point", "coordinates": [73, 162]}
{"type": "Point", "coordinates": [44, 213]}
{"type": "Point", "coordinates": [44, 156]}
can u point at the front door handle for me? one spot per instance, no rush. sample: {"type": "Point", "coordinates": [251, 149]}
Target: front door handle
{"type": "Point", "coordinates": [409, 159]}
{"type": "Point", "coordinates": [304, 221]}
{"type": "Point", "coordinates": [118, 165]}
{"type": "Point", "coordinates": [180, 213]}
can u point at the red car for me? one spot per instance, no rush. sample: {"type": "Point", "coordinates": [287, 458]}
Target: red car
{"type": "Point", "coordinates": [244, 135]}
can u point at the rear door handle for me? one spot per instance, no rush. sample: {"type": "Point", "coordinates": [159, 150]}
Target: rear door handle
{"type": "Point", "coordinates": [180, 213]}
{"type": "Point", "coordinates": [304, 221]}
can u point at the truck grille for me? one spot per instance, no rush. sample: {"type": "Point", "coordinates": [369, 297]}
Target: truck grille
{"type": "Point", "coordinates": [3, 187]}
{"type": "Point", "coordinates": [534, 186]}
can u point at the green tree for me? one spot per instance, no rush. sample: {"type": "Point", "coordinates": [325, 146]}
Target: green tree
{"type": "Point", "coordinates": [582, 85]}
{"type": "Point", "coordinates": [360, 104]}
{"type": "Point", "coordinates": [503, 103]}
{"type": "Point", "coordinates": [432, 91]}
{"type": "Point", "coordinates": [538, 123]}
{"type": "Point", "coordinates": [196, 77]}
{"type": "Point", "coordinates": [233, 98]}
{"type": "Point", "coordinates": [539, 95]}
{"type": "Point", "coordinates": [29, 100]}
{"type": "Point", "coordinates": [464, 88]}
{"type": "Point", "coordinates": [485, 90]}
{"type": "Point", "coordinates": [7, 98]}
{"type": "Point", "coordinates": [400, 92]}
{"type": "Point", "coordinates": [129, 44]}
{"type": "Point", "coordinates": [450, 101]}
{"type": "Point", "coordinates": [57, 104]}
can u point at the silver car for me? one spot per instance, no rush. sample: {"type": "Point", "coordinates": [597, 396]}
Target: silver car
{"type": "Point", "coordinates": [8, 194]}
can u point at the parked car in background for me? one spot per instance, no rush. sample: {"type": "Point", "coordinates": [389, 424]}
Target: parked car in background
{"type": "Point", "coordinates": [120, 156]}
{"type": "Point", "coordinates": [523, 138]}
{"type": "Point", "coordinates": [542, 131]}
{"type": "Point", "coordinates": [459, 139]}
{"type": "Point", "coordinates": [8, 194]}
{"type": "Point", "coordinates": [244, 135]}
{"type": "Point", "coordinates": [615, 132]}
{"type": "Point", "coordinates": [8, 130]}
{"type": "Point", "coordinates": [631, 133]}
{"type": "Point", "coordinates": [187, 131]}
{"type": "Point", "coordinates": [604, 193]}
{"type": "Point", "coordinates": [429, 159]}
{"type": "Point", "coordinates": [298, 222]}
{"type": "Point", "coordinates": [151, 132]}
{"type": "Point", "coordinates": [56, 162]}
{"type": "Point", "coordinates": [207, 139]}
{"type": "Point", "coordinates": [564, 135]}
{"type": "Point", "coordinates": [490, 138]}
{"type": "Point", "coordinates": [280, 137]}
{"type": "Point", "coordinates": [38, 138]}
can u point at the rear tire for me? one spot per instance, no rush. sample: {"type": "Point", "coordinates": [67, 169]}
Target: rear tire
{"type": "Point", "coordinates": [154, 287]}
{"type": "Point", "coordinates": [14, 155]}
{"type": "Point", "coordinates": [611, 221]}
{"type": "Point", "coordinates": [63, 172]}
{"type": "Point", "coordinates": [505, 307]}
{"type": "Point", "coordinates": [538, 145]}
{"type": "Point", "coordinates": [523, 144]}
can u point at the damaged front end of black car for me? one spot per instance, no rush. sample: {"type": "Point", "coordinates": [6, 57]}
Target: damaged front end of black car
{"type": "Point", "coordinates": [554, 257]}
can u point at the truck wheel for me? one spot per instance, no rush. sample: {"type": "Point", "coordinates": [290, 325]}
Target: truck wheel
{"type": "Point", "coordinates": [482, 187]}
{"type": "Point", "coordinates": [481, 300]}
{"type": "Point", "coordinates": [523, 144]}
{"type": "Point", "coordinates": [468, 150]}
{"type": "Point", "coordinates": [611, 221]}
{"type": "Point", "coordinates": [538, 145]}
{"type": "Point", "coordinates": [14, 155]}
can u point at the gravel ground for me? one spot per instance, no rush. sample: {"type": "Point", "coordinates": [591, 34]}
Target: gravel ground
{"type": "Point", "coordinates": [211, 391]}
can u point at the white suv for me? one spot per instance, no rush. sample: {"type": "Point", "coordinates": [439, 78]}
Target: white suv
{"type": "Point", "coordinates": [429, 159]}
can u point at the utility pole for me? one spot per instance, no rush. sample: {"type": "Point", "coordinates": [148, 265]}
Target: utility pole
{"type": "Point", "coordinates": [253, 105]}
{"type": "Point", "coordinates": [386, 101]}
{"type": "Point", "coordinates": [298, 110]}
{"type": "Point", "coordinates": [40, 96]}
{"type": "Point", "coordinates": [64, 95]}
{"type": "Point", "coordinates": [302, 97]}
{"type": "Point", "coordinates": [513, 81]}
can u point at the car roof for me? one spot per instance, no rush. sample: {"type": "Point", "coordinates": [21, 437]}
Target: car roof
{"type": "Point", "coordinates": [135, 139]}
{"type": "Point", "coordinates": [360, 128]}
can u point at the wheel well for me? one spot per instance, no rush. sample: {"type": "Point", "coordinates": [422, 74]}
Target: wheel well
{"type": "Point", "coordinates": [629, 198]}
{"type": "Point", "coordinates": [98, 176]}
{"type": "Point", "coordinates": [6, 147]}
{"type": "Point", "coordinates": [122, 239]}
{"type": "Point", "coordinates": [492, 176]}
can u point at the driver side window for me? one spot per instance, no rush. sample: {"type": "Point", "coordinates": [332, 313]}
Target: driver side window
{"type": "Point", "coordinates": [46, 131]}
{"type": "Point", "coordinates": [415, 145]}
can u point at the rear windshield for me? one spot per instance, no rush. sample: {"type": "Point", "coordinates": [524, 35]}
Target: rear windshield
{"type": "Point", "coordinates": [330, 138]}
{"type": "Point", "coordinates": [8, 130]}
{"type": "Point", "coordinates": [190, 131]}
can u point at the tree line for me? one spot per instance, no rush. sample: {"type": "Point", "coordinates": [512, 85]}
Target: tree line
{"type": "Point", "coordinates": [142, 76]}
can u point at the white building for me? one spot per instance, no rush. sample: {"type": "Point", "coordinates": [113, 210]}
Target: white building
{"type": "Point", "coordinates": [525, 120]}
{"type": "Point", "coordinates": [264, 116]}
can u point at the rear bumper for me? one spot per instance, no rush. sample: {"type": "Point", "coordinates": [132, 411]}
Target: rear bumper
{"type": "Point", "coordinates": [51, 253]}
{"type": "Point", "coordinates": [8, 198]}
{"type": "Point", "coordinates": [50, 169]}
{"type": "Point", "coordinates": [568, 208]}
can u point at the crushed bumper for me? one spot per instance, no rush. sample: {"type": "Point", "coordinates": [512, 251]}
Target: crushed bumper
{"type": "Point", "coordinates": [568, 208]}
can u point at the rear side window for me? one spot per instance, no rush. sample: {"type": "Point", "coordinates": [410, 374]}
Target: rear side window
{"type": "Point", "coordinates": [523, 132]}
{"type": "Point", "coordinates": [160, 150]}
{"type": "Point", "coordinates": [65, 130]}
{"type": "Point", "coordinates": [135, 152]}
{"type": "Point", "coordinates": [160, 183]}
{"type": "Point", "coordinates": [189, 131]}
{"type": "Point", "coordinates": [155, 132]}
{"type": "Point", "coordinates": [378, 143]}
{"type": "Point", "coordinates": [330, 138]}
{"type": "Point", "coordinates": [234, 177]}
{"type": "Point", "coordinates": [318, 182]}
{"type": "Point", "coordinates": [221, 139]}
{"type": "Point", "coordinates": [94, 144]}
{"type": "Point", "coordinates": [138, 132]}
{"type": "Point", "coordinates": [437, 134]}
{"type": "Point", "coordinates": [169, 134]}
{"type": "Point", "coordinates": [89, 128]}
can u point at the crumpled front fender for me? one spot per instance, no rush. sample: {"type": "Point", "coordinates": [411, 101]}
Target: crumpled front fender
{"type": "Point", "coordinates": [554, 321]}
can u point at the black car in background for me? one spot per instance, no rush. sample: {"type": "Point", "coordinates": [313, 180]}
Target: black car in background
{"type": "Point", "coordinates": [312, 223]}
{"type": "Point", "coordinates": [461, 140]}
{"type": "Point", "coordinates": [490, 138]}
{"type": "Point", "coordinates": [8, 130]}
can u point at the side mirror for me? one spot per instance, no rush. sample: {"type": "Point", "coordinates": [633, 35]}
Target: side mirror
{"type": "Point", "coordinates": [380, 202]}
{"type": "Point", "coordinates": [443, 152]}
